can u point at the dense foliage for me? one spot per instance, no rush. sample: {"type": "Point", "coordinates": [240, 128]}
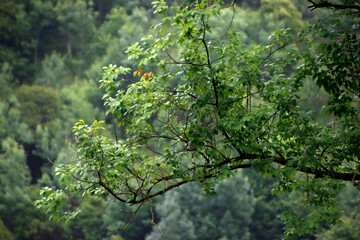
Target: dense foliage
{"type": "Point", "coordinates": [235, 106]}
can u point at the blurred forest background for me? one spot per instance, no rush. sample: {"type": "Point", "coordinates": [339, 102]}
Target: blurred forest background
{"type": "Point", "coordinates": [51, 57]}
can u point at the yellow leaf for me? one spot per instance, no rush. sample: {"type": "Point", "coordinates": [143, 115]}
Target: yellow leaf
{"type": "Point", "coordinates": [139, 71]}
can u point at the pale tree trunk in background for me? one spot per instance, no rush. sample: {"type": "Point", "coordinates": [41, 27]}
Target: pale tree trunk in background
{"type": "Point", "coordinates": [36, 49]}
{"type": "Point", "coordinates": [69, 46]}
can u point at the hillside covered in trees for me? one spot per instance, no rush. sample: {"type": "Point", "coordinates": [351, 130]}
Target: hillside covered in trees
{"type": "Point", "coordinates": [221, 120]}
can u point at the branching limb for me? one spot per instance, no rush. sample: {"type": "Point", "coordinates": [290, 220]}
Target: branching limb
{"type": "Point", "coordinates": [334, 6]}
{"type": "Point", "coordinates": [131, 219]}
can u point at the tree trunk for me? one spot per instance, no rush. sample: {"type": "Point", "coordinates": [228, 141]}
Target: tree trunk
{"type": "Point", "coordinates": [36, 50]}
{"type": "Point", "coordinates": [69, 46]}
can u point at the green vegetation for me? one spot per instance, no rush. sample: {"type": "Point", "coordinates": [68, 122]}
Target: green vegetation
{"type": "Point", "coordinates": [222, 119]}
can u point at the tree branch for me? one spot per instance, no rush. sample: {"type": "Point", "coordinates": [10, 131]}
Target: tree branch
{"type": "Point", "coordinates": [326, 4]}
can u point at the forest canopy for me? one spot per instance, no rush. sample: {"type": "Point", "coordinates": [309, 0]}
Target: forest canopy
{"type": "Point", "coordinates": [204, 104]}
